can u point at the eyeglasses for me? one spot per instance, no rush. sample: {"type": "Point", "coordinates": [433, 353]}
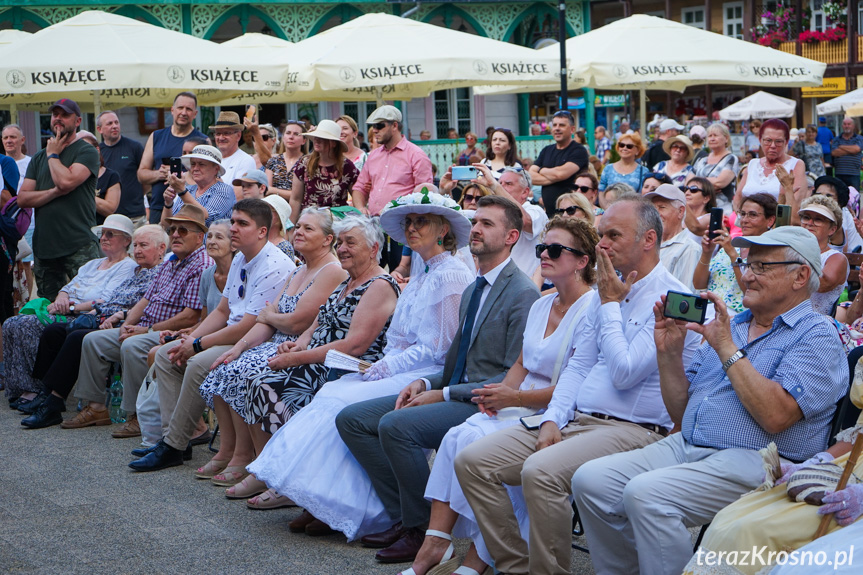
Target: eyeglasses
{"type": "Point", "coordinates": [758, 268]}
{"type": "Point", "coordinates": [241, 291]}
{"type": "Point", "coordinates": [749, 215]}
{"type": "Point", "coordinates": [679, 147]}
{"type": "Point", "coordinates": [554, 250]}
{"type": "Point", "coordinates": [110, 234]}
{"type": "Point", "coordinates": [570, 211]}
{"type": "Point", "coordinates": [623, 145]}
{"type": "Point", "coordinates": [806, 218]}
{"type": "Point", "coordinates": [767, 142]}
{"type": "Point", "coordinates": [693, 189]}
{"type": "Point", "coordinates": [182, 231]}
{"type": "Point", "coordinates": [379, 125]}
{"type": "Point", "coordinates": [469, 198]}
{"type": "Point", "coordinates": [418, 223]}
{"type": "Point", "coordinates": [582, 189]}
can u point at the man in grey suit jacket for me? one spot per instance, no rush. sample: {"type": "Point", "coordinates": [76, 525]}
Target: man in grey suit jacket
{"type": "Point", "coordinates": [387, 435]}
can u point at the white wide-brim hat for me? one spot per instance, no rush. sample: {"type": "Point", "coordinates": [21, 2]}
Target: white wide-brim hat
{"type": "Point", "coordinates": [424, 203]}
{"type": "Point", "coordinates": [328, 130]}
{"type": "Point", "coordinates": [116, 222]}
{"type": "Point", "coordinates": [202, 152]}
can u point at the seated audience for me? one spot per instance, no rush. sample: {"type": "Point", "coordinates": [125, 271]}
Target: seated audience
{"type": "Point", "coordinates": [59, 355]}
{"type": "Point", "coordinates": [773, 373]}
{"type": "Point", "coordinates": [306, 460]}
{"type": "Point", "coordinates": [847, 237]}
{"type": "Point", "coordinates": [677, 252]}
{"type": "Point", "coordinates": [281, 223]}
{"type": "Point", "coordinates": [208, 192]}
{"type": "Point", "coordinates": [95, 281]}
{"type": "Point", "coordinates": [700, 199]}
{"type": "Point", "coordinates": [822, 216]}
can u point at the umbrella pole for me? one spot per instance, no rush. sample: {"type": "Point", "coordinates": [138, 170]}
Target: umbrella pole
{"type": "Point", "coordinates": [97, 109]}
{"type": "Point", "coordinates": [13, 113]}
{"type": "Point", "coordinates": [379, 96]}
{"type": "Point", "coordinates": [642, 113]}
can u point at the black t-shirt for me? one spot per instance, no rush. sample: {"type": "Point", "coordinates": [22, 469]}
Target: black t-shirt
{"type": "Point", "coordinates": [552, 157]}
{"type": "Point", "coordinates": [654, 155]}
{"type": "Point", "coordinates": [124, 157]}
{"type": "Point", "coordinates": [103, 184]}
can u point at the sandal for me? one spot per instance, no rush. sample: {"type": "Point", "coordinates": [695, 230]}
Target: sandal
{"type": "Point", "coordinates": [269, 499]}
{"type": "Point", "coordinates": [230, 476]}
{"type": "Point", "coordinates": [248, 487]}
{"type": "Point", "coordinates": [468, 571]}
{"type": "Point", "coordinates": [447, 562]}
{"type": "Point", "coordinates": [212, 468]}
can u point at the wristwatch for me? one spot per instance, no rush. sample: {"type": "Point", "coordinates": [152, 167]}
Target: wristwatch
{"type": "Point", "coordinates": [53, 156]}
{"type": "Point", "coordinates": [738, 355]}
{"type": "Point", "coordinates": [183, 193]}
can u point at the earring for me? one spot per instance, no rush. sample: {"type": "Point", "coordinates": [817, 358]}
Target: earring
{"type": "Point", "coordinates": [440, 241]}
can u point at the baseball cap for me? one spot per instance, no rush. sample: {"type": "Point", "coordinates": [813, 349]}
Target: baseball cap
{"type": "Point", "coordinates": [385, 113]}
{"type": "Point", "coordinates": [252, 177]}
{"type": "Point", "coordinates": [669, 124]}
{"type": "Point", "coordinates": [667, 191]}
{"type": "Point", "coordinates": [798, 239]}
{"type": "Point", "coordinates": [67, 105]}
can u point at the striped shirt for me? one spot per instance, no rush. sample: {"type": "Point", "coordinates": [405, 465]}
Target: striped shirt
{"type": "Point", "coordinates": [176, 287]}
{"type": "Point", "coordinates": [218, 200]}
{"type": "Point", "coordinates": [848, 164]}
{"type": "Point", "coordinates": [802, 353]}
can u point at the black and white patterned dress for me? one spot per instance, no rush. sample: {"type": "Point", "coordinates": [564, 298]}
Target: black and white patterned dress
{"type": "Point", "coordinates": [229, 381]}
{"type": "Point", "coordinates": [274, 396]}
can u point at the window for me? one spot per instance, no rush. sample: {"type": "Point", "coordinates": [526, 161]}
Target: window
{"type": "Point", "coordinates": [860, 19]}
{"type": "Point", "coordinates": [693, 17]}
{"type": "Point", "coordinates": [732, 24]}
{"type": "Point", "coordinates": [452, 109]}
{"type": "Point", "coordinates": [818, 21]}
{"type": "Point", "coordinates": [359, 111]}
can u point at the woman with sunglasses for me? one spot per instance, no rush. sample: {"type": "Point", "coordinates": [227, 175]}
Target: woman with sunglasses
{"type": "Point", "coordinates": [471, 193]}
{"type": "Point", "coordinates": [653, 180]}
{"type": "Point", "coordinates": [677, 168]}
{"type": "Point", "coordinates": [575, 205]}
{"type": "Point", "coordinates": [471, 153]}
{"type": "Point", "coordinates": [95, 282]}
{"type": "Point", "coordinates": [720, 166]}
{"type": "Point", "coordinates": [325, 177]}
{"type": "Point", "coordinates": [568, 258]}
{"type": "Point", "coordinates": [627, 169]}
{"type": "Point", "coordinates": [776, 173]}
{"type": "Point", "coordinates": [502, 152]}
{"type": "Point", "coordinates": [280, 168]}
{"type": "Point", "coordinates": [349, 130]}
{"type": "Point", "coordinates": [717, 270]}
{"type": "Point", "coordinates": [700, 199]}
{"type": "Point", "coordinates": [822, 216]}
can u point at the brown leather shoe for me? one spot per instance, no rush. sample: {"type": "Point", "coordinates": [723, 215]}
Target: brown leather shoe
{"type": "Point", "coordinates": [129, 429]}
{"type": "Point", "coordinates": [317, 528]}
{"type": "Point", "coordinates": [405, 549]}
{"type": "Point", "coordinates": [86, 418]}
{"type": "Point", "coordinates": [299, 524]}
{"type": "Point", "coordinates": [384, 538]}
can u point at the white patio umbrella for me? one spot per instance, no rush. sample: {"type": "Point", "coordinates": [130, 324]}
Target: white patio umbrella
{"type": "Point", "coordinates": [380, 55]}
{"type": "Point", "coordinates": [136, 63]}
{"type": "Point", "coordinates": [644, 52]}
{"type": "Point", "coordinates": [759, 105]}
{"type": "Point", "coordinates": [841, 103]}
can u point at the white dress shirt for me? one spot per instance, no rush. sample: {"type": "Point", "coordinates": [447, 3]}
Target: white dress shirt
{"type": "Point", "coordinates": [680, 255]}
{"type": "Point", "coordinates": [524, 250]}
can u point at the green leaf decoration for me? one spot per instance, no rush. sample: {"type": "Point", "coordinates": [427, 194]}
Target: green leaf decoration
{"type": "Point", "coordinates": [425, 199]}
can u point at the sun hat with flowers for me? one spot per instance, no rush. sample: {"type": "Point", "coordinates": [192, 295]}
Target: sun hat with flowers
{"type": "Point", "coordinates": [424, 202]}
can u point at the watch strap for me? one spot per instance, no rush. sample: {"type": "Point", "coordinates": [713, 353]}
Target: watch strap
{"type": "Point", "coordinates": [53, 156]}
{"type": "Point", "coordinates": [737, 356]}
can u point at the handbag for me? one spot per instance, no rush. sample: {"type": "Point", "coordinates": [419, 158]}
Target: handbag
{"type": "Point", "coordinates": [84, 321]}
{"type": "Point", "coordinates": [147, 408]}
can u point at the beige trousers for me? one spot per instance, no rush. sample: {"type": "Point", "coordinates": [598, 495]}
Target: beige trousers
{"type": "Point", "coordinates": [509, 456]}
{"type": "Point", "coordinates": [180, 400]}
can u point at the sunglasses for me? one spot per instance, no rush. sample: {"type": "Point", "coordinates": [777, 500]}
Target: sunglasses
{"type": "Point", "coordinates": [182, 231]}
{"type": "Point", "coordinates": [554, 250]}
{"type": "Point", "coordinates": [622, 145]}
{"type": "Point", "coordinates": [565, 113]}
{"type": "Point", "coordinates": [693, 189]}
{"type": "Point", "coordinates": [678, 147]}
{"type": "Point", "coordinates": [265, 137]}
{"type": "Point", "coordinates": [379, 125]}
{"type": "Point", "coordinates": [241, 291]}
{"type": "Point", "coordinates": [582, 189]}
{"type": "Point", "coordinates": [110, 234]}
{"type": "Point", "coordinates": [570, 211]}
{"type": "Point", "coordinates": [469, 198]}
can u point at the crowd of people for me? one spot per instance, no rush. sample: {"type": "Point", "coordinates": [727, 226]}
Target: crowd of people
{"type": "Point", "coordinates": [344, 317]}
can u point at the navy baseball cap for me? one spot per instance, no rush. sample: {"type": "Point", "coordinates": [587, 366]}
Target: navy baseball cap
{"type": "Point", "coordinates": [67, 105]}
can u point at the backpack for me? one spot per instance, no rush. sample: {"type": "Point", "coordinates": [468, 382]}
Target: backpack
{"type": "Point", "coordinates": [14, 220]}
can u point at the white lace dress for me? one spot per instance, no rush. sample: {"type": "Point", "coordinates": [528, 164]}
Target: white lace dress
{"type": "Point", "coordinates": [757, 182]}
{"type": "Point", "coordinates": [540, 357]}
{"type": "Point", "coordinates": [306, 458]}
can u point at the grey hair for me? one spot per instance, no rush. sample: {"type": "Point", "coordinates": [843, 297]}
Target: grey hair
{"type": "Point", "coordinates": [369, 227]}
{"type": "Point", "coordinates": [16, 126]}
{"type": "Point", "coordinates": [99, 117]}
{"type": "Point", "coordinates": [814, 279]}
{"type": "Point", "coordinates": [620, 188]}
{"type": "Point", "coordinates": [325, 221]}
{"type": "Point", "coordinates": [677, 204]}
{"type": "Point", "coordinates": [522, 173]}
{"type": "Point", "coordinates": [154, 231]}
{"type": "Point", "coordinates": [221, 222]}
{"type": "Point", "coordinates": [723, 130]}
{"type": "Point", "coordinates": [648, 216]}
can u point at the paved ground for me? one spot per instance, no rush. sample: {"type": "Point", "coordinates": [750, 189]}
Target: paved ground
{"type": "Point", "coordinates": [69, 504]}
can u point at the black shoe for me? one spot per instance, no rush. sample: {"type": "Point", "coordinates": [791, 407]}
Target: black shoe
{"type": "Point", "coordinates": [143, 451]}
{"type": "Point", "coordinates": [14, 401]}
{"type": "Point", "coordinates": [202, 439]}
{"type": "Point", "coordinates": [161, 457]}
{"type": "Point", "coordinates": [47, 414]}
{"type": "Point", "coordinates": [30, 407]}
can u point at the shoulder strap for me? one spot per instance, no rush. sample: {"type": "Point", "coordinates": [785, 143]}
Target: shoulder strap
{"type": "Point", "coordinates": [567, 342]}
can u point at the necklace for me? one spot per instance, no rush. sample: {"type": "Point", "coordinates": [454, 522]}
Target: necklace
{"type": "Point", "coordinates": [561, 308]}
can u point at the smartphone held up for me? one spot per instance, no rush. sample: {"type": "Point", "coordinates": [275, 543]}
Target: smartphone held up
{"type": "Point", "coordinates": [685, 306]}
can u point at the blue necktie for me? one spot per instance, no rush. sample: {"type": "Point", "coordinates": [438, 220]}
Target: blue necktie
{"type": "Point", "coordinates": [469, 319]}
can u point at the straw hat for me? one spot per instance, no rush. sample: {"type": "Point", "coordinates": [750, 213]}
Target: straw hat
{"type": "Point", "coordinates": [328, 130]}
{"type": "Point", "coordinates": [116, 222]}
{"type": "Point", "coordinates": [228, 120]}
{"type": "Point", "coordinates": [202, 152]}
{"type": "Point", "coordinates": [425, 202]}
{"type": "Point", "coordinates": [683, 140]}
{"type": "Point", "coordinates": [191, 213]}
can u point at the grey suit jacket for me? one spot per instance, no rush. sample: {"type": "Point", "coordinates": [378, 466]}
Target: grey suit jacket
{"type": "Point", "coordinates": [497, 336]}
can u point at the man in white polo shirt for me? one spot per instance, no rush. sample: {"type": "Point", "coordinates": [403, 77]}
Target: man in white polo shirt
{"type": "Point", "coordinates": [258, 272]}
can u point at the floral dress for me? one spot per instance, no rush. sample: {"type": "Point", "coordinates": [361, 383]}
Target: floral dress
{"type": "Point", "coordinates": [677, 179]}
{"type": "Point", "coordinates": [282, 176]}
{"type": "Point", "coordinates": [325, 188]}
{"type": "Point", "coordinates": [229, 381]}
{"type": "Point", "coordinates": [277, 395]}
{"type": "Point", "coordinates": [723, 282]}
